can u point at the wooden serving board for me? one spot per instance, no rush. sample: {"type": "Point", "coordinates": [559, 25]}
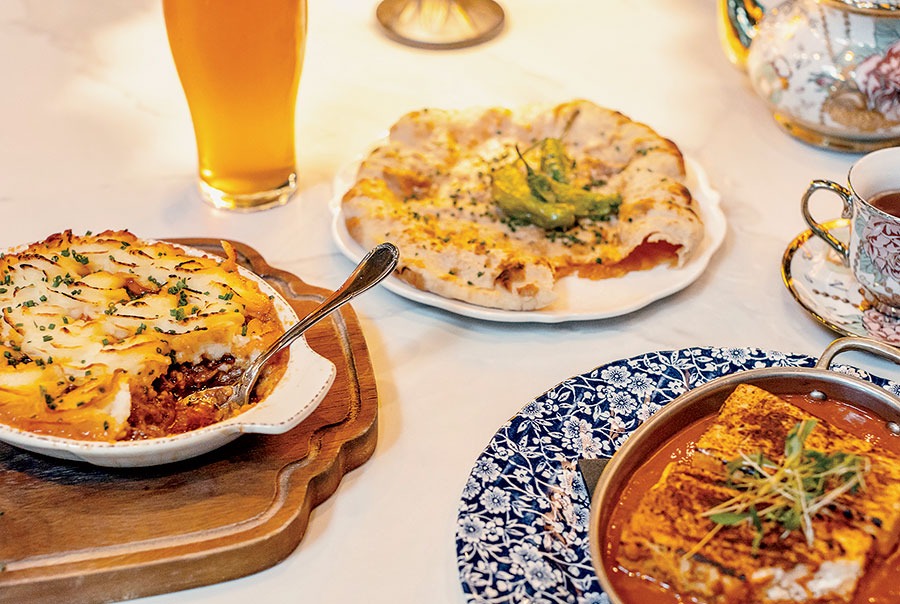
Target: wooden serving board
{"type": "Point", "coordinates": [74, 532]}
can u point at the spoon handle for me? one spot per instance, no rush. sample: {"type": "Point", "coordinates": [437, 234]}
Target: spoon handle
{"type": "Point", "coordinates": [377, 264]}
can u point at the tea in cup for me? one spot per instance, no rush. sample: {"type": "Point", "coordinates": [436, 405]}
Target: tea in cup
{"type": "Point", "coordinates": [871, 202]}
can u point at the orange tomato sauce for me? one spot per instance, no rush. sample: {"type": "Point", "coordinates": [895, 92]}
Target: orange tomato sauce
{"type": "Point", "coordinates": [878, 586]}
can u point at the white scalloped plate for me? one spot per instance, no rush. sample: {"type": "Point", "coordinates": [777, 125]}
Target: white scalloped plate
{"type": "Point", "coordinates": [577, 299]}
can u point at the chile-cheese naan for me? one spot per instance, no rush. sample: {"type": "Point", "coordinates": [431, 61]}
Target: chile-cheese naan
{"type": "Point", "coordinates": [428, 189]}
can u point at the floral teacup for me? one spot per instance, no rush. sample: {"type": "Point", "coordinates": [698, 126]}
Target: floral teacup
{"type": "Point", "coordinates": [873, 253]}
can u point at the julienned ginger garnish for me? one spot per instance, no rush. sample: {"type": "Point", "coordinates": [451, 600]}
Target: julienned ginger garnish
{"type": "Point", "coordinates": [789, 494]}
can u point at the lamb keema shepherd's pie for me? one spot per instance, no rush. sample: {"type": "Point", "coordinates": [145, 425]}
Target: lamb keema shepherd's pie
{"type": "Point", "coordinates": [493, 206]}
{"type": "Point", "coordinates": [102, 335]}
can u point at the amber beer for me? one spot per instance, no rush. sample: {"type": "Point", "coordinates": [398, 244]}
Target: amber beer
{"type": "Point", "coordinates": [239, 62]}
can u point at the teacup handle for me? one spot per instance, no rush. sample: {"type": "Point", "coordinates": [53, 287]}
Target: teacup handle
{"type": "Point", "coordinates": [846, 197]}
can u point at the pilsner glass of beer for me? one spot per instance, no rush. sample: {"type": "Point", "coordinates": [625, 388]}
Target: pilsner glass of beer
{"type": "Point", "coordinates": [239, 62]}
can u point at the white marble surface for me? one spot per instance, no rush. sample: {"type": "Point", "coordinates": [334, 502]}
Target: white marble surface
{"type": "Point", "coordinates": [95, 133]}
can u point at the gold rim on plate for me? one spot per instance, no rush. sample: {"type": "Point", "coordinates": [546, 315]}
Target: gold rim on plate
{"type": "Point", "coordinates": [863, 319]}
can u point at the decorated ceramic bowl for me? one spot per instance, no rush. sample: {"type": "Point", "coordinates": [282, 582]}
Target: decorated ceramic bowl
{"type": "Point", "coordinates": [306, 379]}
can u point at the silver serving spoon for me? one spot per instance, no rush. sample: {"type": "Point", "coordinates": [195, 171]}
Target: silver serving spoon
{"type": "Point", "coordinates": [377, 264]}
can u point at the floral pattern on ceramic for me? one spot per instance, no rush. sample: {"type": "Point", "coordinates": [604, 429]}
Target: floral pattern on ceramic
{"type": "Point", "coordinates": [522, 526]}
{"type": "Point", "coordinates": [878, 78]}
{"type": "Point", "coordinates": [873, 250]}
{"type": "Point", "coordinates": [817, 278]}
{"type": "Point", "coordinates": [880, 245]}
{"type": "Point", "coordinates": [875, 256]}
{"type": "Point", "coordinates": [825, 67]}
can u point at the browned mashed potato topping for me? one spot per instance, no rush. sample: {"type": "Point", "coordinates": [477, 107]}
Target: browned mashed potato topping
{"type": "Point", "coordinates": [102, 335]}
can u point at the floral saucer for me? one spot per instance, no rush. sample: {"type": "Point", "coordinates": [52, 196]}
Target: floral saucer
{"type": "Point", "coordinates": [523, 519]}
{"type": "Point", "coordinates": [826, 289]}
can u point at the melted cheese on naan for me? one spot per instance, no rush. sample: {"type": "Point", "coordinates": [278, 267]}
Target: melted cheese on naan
{"type": "Point", "coordinates": [428, 190]}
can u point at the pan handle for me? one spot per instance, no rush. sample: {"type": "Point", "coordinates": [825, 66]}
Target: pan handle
{"type": "Point", "coordinates": [840, 345]}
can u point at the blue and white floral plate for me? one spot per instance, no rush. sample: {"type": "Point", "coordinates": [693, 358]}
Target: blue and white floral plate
{"type": "Point", "coordinates": [522, 527]}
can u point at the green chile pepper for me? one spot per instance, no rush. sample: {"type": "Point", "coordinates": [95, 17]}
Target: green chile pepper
{"type": "Point", "coordinates": [538, 183]}
{"type": "Point", "coordinates": [587, 204]}
{"type": "Point", "coordinates": [546, 198]}
{"type": "Point", "coordinates": [513, 194]}
{"type": "Point", "coordinates": [554, 162]}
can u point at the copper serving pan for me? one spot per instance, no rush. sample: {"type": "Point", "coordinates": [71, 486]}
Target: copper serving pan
{"type": "Point", "coordinates": [706, 400]}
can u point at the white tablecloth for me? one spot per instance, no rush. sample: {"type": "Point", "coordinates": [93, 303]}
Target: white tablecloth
{"type": "Point", "coordinates": [95, 133]}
